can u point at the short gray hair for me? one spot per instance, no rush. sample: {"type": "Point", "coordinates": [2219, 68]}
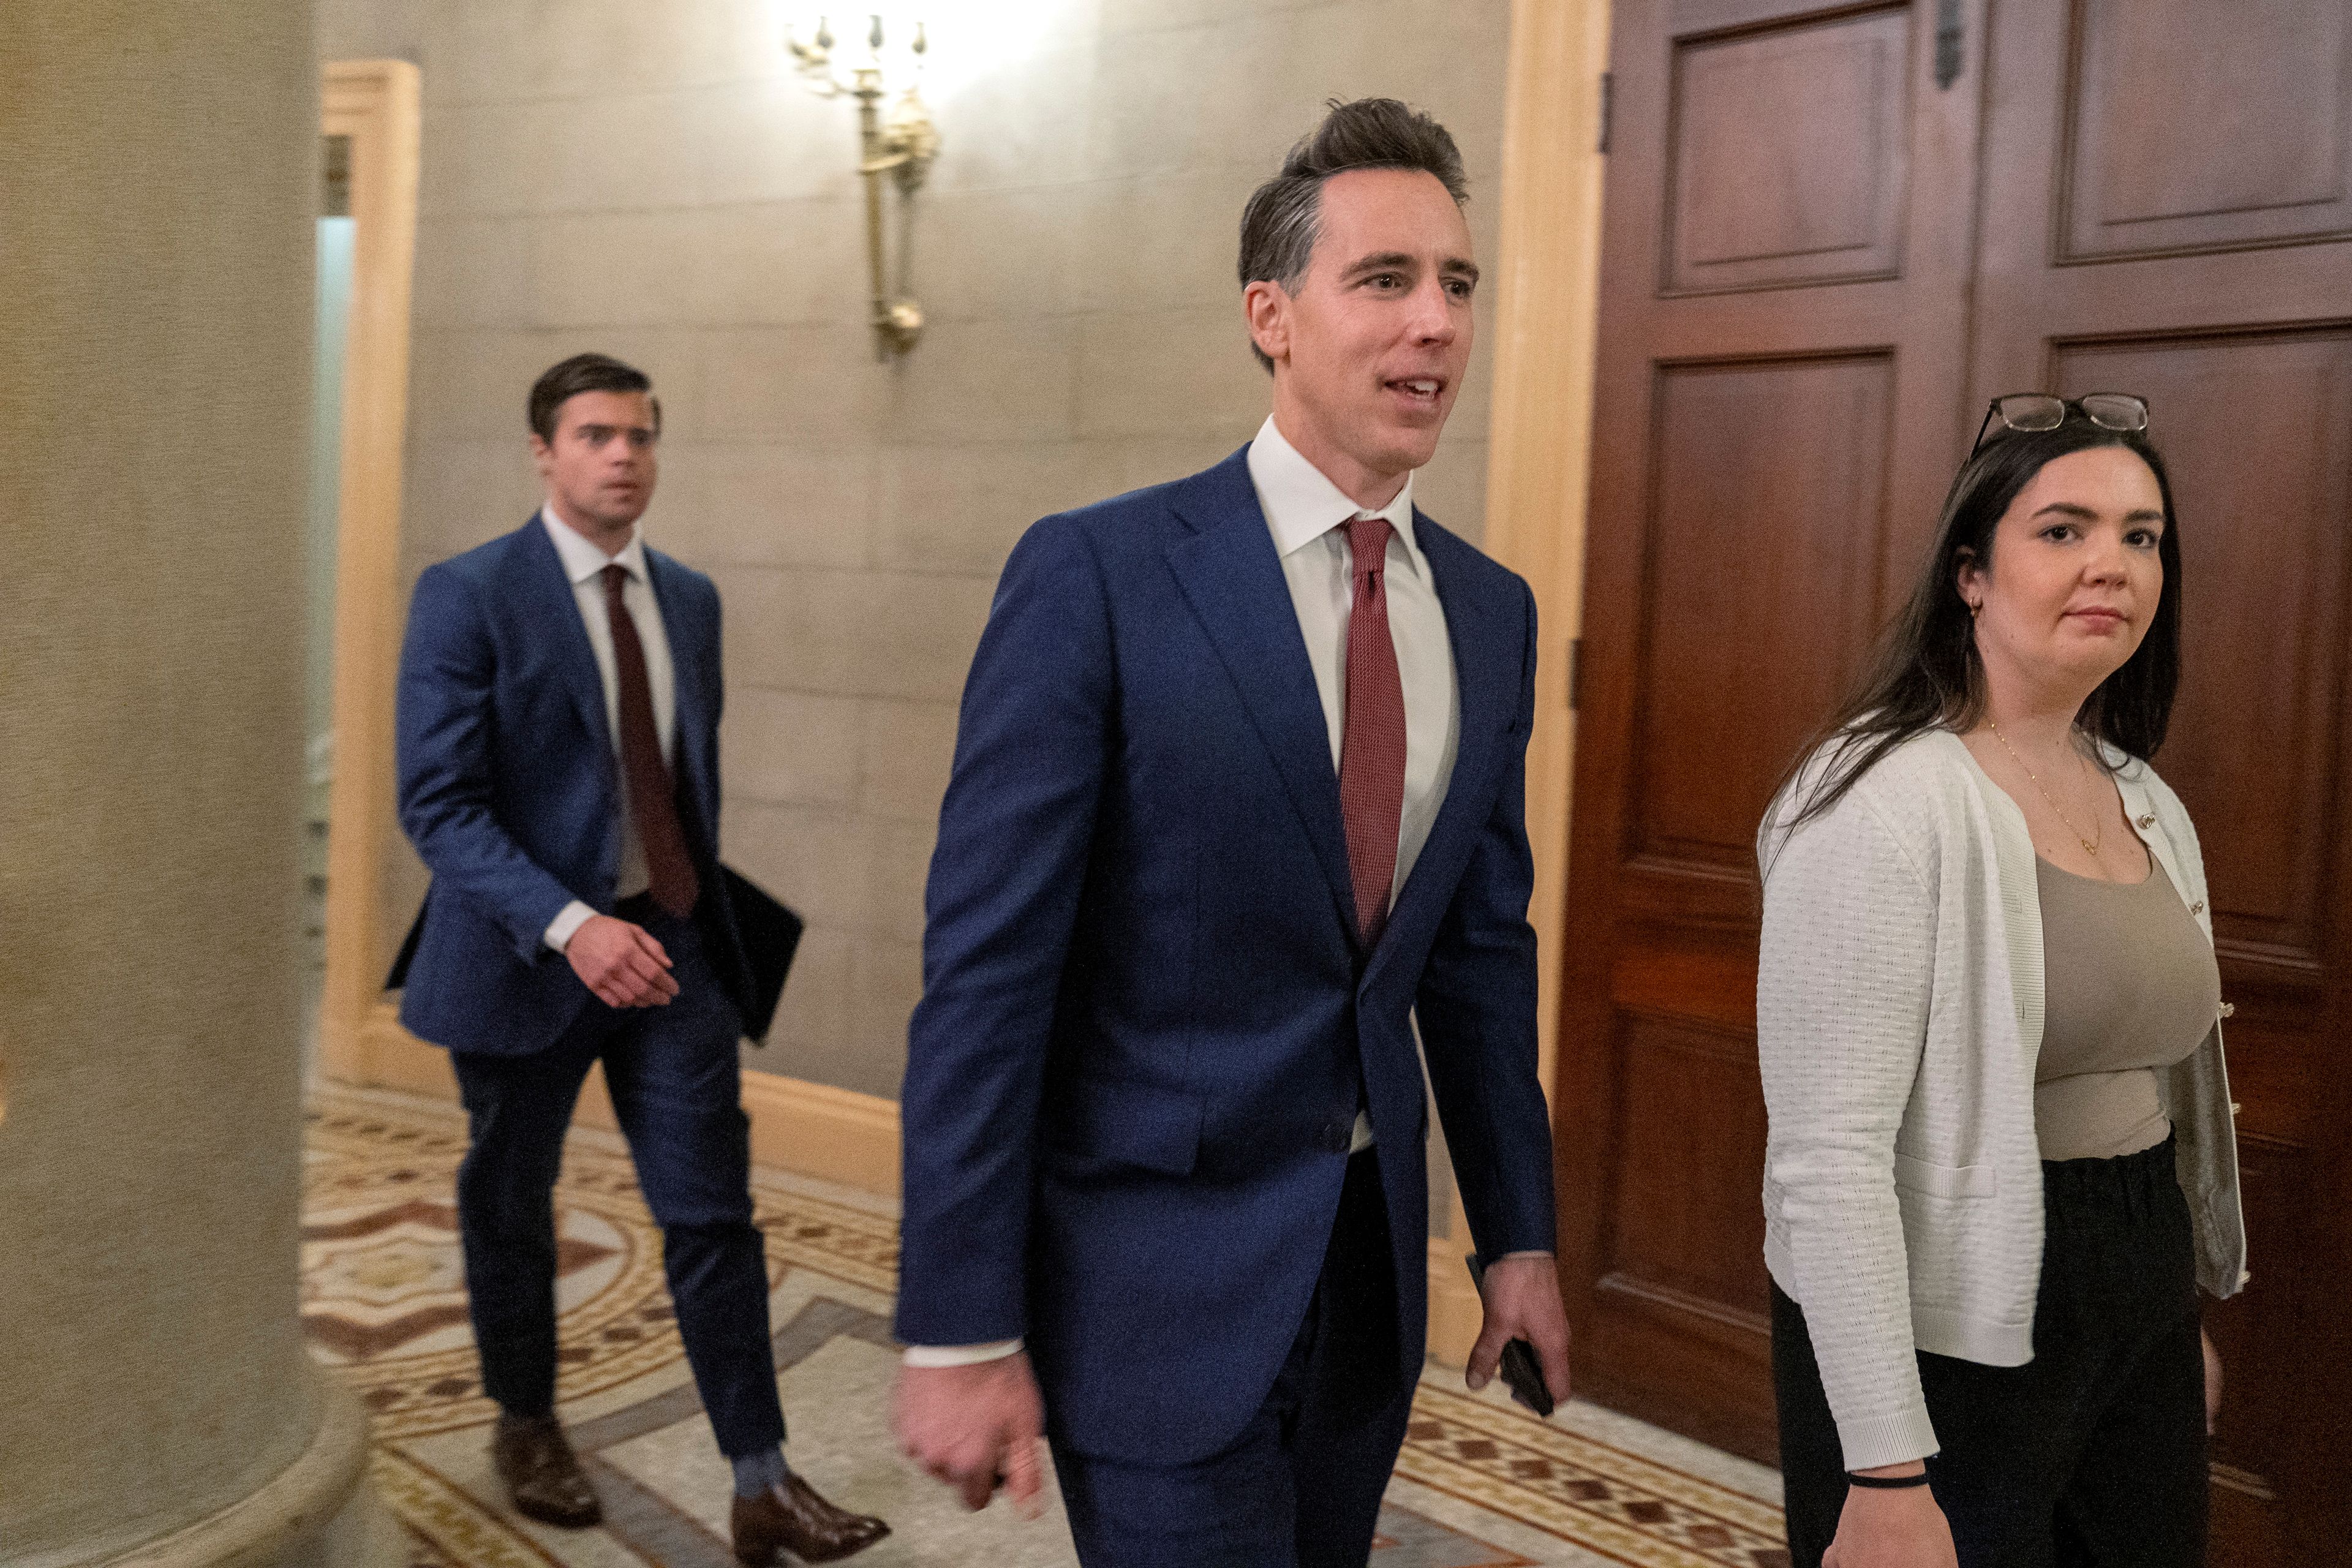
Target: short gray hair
{"type": "Point", "coordinates": [1283, 217]}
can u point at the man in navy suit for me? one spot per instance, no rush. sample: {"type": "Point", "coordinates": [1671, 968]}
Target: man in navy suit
{"type": "Point", "coordinates": [559, 707]}
{"type": "Point", "coordinates": [1238, 792]}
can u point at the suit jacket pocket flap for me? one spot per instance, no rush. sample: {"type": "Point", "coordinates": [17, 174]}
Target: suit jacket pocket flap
{"type": "Point", "coordinates": [1128, 1123]}
{"type": "Point", "coordinates": [1943, 1181]}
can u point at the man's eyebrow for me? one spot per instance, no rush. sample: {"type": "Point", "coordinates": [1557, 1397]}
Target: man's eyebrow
{"type": "Point", "coordinates": [1398, 261]}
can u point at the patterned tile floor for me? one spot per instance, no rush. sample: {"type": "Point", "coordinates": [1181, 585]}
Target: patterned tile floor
{"type": "Point", "coordinates": [1481, 1484]}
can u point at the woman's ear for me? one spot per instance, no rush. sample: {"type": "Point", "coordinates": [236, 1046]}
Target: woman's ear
{"type": "Point", "coordinates": [1967, 578]}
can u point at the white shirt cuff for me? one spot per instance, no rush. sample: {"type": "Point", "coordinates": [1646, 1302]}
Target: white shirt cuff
{"type": "Point", "coordinates": [960, 1355]}
{"type": "Point", "coordinates": [561, 929]}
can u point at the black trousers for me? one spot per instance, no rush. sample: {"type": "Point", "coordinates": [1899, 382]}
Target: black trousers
{"type": "Point", "coordinates": [2090, 1456]}
{"type": "Point", "coordinates": [673, 1076]}
{"type": "Point", "coordinates": [1301, 1487]}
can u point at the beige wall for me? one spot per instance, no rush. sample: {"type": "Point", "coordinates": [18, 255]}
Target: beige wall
{"type": "Point", "coordinates": [652, 181]}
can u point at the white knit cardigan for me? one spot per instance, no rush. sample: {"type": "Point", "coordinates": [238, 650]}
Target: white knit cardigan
{"type": "Point", "coordinates": [1898, 1008]}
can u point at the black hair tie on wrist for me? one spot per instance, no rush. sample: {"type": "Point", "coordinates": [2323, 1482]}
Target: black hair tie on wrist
{"type": "Point", "coordinates": [1888, 1483]}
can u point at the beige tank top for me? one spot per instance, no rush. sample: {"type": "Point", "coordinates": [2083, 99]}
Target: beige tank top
{"type": "Point", "coordinates": [2129, 988]}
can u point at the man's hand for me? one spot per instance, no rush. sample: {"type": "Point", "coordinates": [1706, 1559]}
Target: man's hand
{"type": "Point", "coordinates": [1522, 1300]}
{"type": "Point", "coordinates": [623, 965]}
{"type": "Point", "coordinates": [975, 1425]}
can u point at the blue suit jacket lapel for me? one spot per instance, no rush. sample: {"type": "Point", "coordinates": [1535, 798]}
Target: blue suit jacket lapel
{"type": "Point", "coordinates": [543, 599]}
{"type": "Point", "coordinates": [1227, 566]}
{"type": "Point", "coordinates": [1487, 687]}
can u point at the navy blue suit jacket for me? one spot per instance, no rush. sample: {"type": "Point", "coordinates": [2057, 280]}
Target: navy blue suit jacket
{"type": "Point", "coordinates": [1133, 1072]}
{"type": "Point", "coordinates": [511, 790]}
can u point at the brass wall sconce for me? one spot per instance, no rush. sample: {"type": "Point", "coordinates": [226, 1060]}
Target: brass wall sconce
{"type": "Point", "coordinates": [896, 146]}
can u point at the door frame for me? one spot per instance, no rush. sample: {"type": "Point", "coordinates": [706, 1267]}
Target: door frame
{"type": "Point", "coordinates": [1539, 478]}
{"type": "Point", "coordinates": [375, 104]}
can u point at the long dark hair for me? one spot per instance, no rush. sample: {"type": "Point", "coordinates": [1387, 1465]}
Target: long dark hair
{"type": "Point", "coordinates": [1926, 673]}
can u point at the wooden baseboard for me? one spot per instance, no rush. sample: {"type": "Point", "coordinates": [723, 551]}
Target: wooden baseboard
{"type": "Point", "coordinates": [809, 1128]}
{"type": "Point", "coordinates": [835, 1134]}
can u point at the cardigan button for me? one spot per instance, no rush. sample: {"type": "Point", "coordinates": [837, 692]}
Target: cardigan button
{"type": "Point", "coordinates": [2245, 1275]}
{"type": "Point", "coordinates": [2229, 1009]}
{"type": "Point", "coordinates": [2198, 908]}
{"type": "Point", "coordinates": [2235, 1107]}
{"type": "Point", "coordinates": [2146, 822]}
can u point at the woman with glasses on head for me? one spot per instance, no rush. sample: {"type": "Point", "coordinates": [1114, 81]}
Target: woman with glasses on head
{"type": "Point", "coordinates": [2001, 1158]}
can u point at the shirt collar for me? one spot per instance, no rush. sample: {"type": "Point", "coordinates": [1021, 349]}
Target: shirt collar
{"type": "Point", "coordinates": [583, 560]}
{"type": "Point", "coordinates": [1302, 504]}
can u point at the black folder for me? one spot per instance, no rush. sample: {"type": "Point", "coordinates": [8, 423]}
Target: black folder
{"type": "Point", "coordinates": [771, 934]}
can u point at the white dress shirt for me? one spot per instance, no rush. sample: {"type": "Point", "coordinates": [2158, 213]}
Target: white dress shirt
{"type": "Point", "coordinates": [585, 563]}
{"type": "Point", "coordinates": [1305, 511]}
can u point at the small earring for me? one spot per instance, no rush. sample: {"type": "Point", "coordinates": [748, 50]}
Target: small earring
{"type": "Point", "coordinates": [1975, 608]}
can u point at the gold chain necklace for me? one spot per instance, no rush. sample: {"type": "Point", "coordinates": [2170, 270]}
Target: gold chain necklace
{"type": "Point", "coordinates": [2090, 846]}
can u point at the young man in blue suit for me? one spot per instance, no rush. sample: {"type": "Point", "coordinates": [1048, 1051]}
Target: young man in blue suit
{"type": "Point", "coordinates": [1238, 792]}
{"type": "Point", "coordinates": [559, 706]}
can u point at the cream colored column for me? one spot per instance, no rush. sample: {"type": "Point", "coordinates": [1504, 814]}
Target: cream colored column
{"type": "Point", "coordinates": [158, 168]}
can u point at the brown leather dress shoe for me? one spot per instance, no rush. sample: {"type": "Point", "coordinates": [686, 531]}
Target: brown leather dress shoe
{"type": "Point", "coordinates": [543, 1474]}
{"type": "Point", "coordinates": [793, 1518]}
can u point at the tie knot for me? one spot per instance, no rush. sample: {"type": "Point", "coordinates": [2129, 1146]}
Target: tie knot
{"type": "Point", "coordinates": [617, 577]}
{"type": "Point", "coordinates": [1367, 541]}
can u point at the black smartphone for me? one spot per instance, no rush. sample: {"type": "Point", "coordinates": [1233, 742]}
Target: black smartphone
{"type": "Point", "coordinates": [1522, 1374]}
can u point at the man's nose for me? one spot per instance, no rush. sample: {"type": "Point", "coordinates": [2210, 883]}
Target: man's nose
{"type": "Point", "coordinates": [1434, 320]}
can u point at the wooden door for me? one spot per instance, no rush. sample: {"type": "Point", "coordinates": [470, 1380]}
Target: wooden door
{"type": "Point", "coordinates": [2168, 199]}
{"type": "Point", "coordinates": [1800, 327]}
{"type": "Point", "coordinates": [1780, 365]}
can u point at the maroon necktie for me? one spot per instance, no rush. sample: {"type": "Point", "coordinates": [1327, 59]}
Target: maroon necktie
{"type": "Point", "coordinates": [668, 864]}
{"type": "Point", "coordinates": [1371, 745]}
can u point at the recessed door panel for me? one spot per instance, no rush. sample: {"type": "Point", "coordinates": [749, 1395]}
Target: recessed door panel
{"type": "Point", "coordinates": [1682, 1230]}
{"type": "Point", "coordinates": [2199, 126]}
{"type": "Point", "coordinates": [1770, 516]}
{"type": "Point", "coordinates": [1790, 144]}
{"type": "Point", "coordinates": [2257, 434]}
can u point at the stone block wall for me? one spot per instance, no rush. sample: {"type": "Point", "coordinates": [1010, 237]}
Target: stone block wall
{"type": "Point", "coordinates": [652, 180]}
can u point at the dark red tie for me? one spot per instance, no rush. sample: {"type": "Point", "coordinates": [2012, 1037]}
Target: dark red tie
{"type": "Point", "coordinates": [1371, 745]}
{"type": "Point", "coordinates": [668, 864]}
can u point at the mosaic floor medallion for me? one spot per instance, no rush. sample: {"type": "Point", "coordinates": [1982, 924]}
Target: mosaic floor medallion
{"type": "Point", "coordinates": [1481, 1484]}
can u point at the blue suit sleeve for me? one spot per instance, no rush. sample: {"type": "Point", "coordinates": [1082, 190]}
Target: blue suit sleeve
{"type": "Point", "coordinates": [447, 671]}
{"type": "Point", "coordinates": [1015, 832]}
{"type": "Point", "coordinates": [1476, 1005]}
